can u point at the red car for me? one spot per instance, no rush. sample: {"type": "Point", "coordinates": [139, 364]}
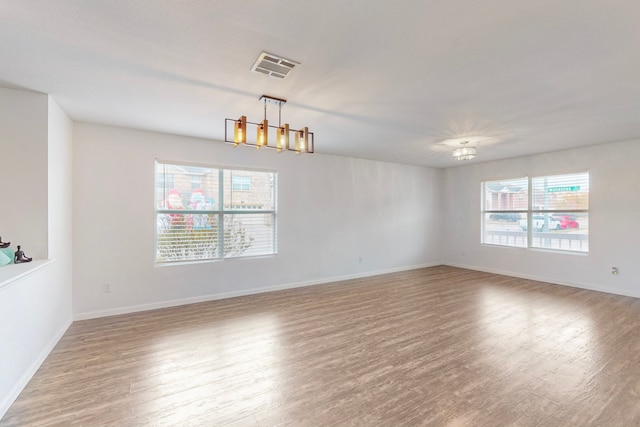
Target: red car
{"type": "Point", "coordinates": [566, 221]}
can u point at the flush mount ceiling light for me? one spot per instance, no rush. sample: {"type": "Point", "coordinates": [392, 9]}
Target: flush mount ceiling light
{"type": "Point", "coordinates": [304, 140]}
{"type": "Point", "coordinates": [464, 152]}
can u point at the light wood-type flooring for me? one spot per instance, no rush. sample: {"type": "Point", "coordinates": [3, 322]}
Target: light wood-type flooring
{"type": "Point", "coordinates": [438, 346]}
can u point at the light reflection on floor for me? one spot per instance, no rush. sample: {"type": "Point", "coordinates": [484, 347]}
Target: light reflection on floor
{"type": "Point", "coordinates": [245, 383]}
{"type": "Point", "coordinates": [548, 339]}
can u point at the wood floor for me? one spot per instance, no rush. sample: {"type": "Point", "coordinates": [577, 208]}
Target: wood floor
{"type": "Point", "coordinates": [437, 346]}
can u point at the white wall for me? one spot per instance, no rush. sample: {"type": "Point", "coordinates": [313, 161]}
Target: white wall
{"type": "Point", "coordinates": [35, 310]}
{"type": "Point", "coordinates": [60, 187]}
{"type": "Point", "coordinates": [614, 234]}
{"type": "Point", "coordinates": [23, 170]}
{"type": "Point", "coordinates": [60, 184]}
{"type": "Point", "coordinates": [332, 210]}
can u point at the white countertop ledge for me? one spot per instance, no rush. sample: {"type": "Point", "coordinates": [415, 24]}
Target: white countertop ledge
{"type": "Point", "coordinates": [12, 273]}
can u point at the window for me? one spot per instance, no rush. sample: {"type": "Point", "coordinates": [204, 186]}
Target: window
{"type": "Point", "coordinates": [241, 183]}
{"type": "Point", "coordinates": [195, 182]}
{"type": "Point", "coordinates": [548, 212]}
{"type": "Point", "coordinates": [505, 212]}
{"type": "Point", "coordinates": [561, 207]}
{"type": "Point", "coordinates": [214, 219]}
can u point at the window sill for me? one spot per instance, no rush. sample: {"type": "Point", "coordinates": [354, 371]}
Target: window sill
{"type": "Point", "coordinates": [14, 272]}
{"type": "Point", "coordinates": [559, 251]}
{"type": "Point", "coordinates": [212, 260]}
{"type": "Point", "coordinates": [533, 249]}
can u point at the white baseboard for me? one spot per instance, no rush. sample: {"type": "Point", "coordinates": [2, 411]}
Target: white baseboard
{"type": "Point", "coordinates": [30, 372]}
{"type": "Point", "coordinates": [591, 287]}
{"type": "Point", "coordinates": [224, 295]}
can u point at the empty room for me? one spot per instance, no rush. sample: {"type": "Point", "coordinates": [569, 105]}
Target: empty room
{"type": "Point", "coordinates": [295, 213]}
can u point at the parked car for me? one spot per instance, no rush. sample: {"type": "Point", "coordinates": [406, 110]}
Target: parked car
{"type": "Point", "coordinates": [510, 217]}
{"type": "Point", "coordinates": [541, 223]}
{"type": "Point", "coordinates": [566, 221]}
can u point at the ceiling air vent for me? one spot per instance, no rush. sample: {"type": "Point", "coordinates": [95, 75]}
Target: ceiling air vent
{"type": "Point", "coordinates": [273, 65]}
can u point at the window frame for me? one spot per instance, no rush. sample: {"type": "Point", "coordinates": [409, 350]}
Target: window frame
{"type": "Point", "coordinates": [220, 212]}
{"type": "Point", "coordinates": [530, 212]}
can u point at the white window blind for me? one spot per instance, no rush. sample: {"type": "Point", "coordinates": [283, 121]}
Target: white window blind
{"type": "Point", "coordinates": [548, 212]}
{"type": "Point", "coordinates": [202, 214]}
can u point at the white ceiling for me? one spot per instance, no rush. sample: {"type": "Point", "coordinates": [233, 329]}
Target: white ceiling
{"type": "Point", "coordinates": [378, 79]}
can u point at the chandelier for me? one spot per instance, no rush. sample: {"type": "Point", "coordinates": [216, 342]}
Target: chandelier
{"type": "Point", "coordinates": [464, 152]}
{"type": "Point", "coordinates": [264, 132]}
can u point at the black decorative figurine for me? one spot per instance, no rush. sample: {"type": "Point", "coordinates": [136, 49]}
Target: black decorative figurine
{"type": "Point", "coordinates": [19, 257]}
{"type": "Point", "coordinates": [4, 244]}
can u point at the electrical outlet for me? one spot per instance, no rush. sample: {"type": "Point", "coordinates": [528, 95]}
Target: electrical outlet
{"type": "Point", "coordinates": [106, 288]}
{"type": "Point", "coordinates": [614, 271]}
{"type": "Point", "coordinates": [360, 260]}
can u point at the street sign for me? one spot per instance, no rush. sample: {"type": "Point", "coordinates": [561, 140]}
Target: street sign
{"type": "Point", "coordinates": [563, 189]}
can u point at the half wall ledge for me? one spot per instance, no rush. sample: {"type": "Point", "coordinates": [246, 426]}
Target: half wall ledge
{"type": "Point", "coordinates": [13, 273]}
